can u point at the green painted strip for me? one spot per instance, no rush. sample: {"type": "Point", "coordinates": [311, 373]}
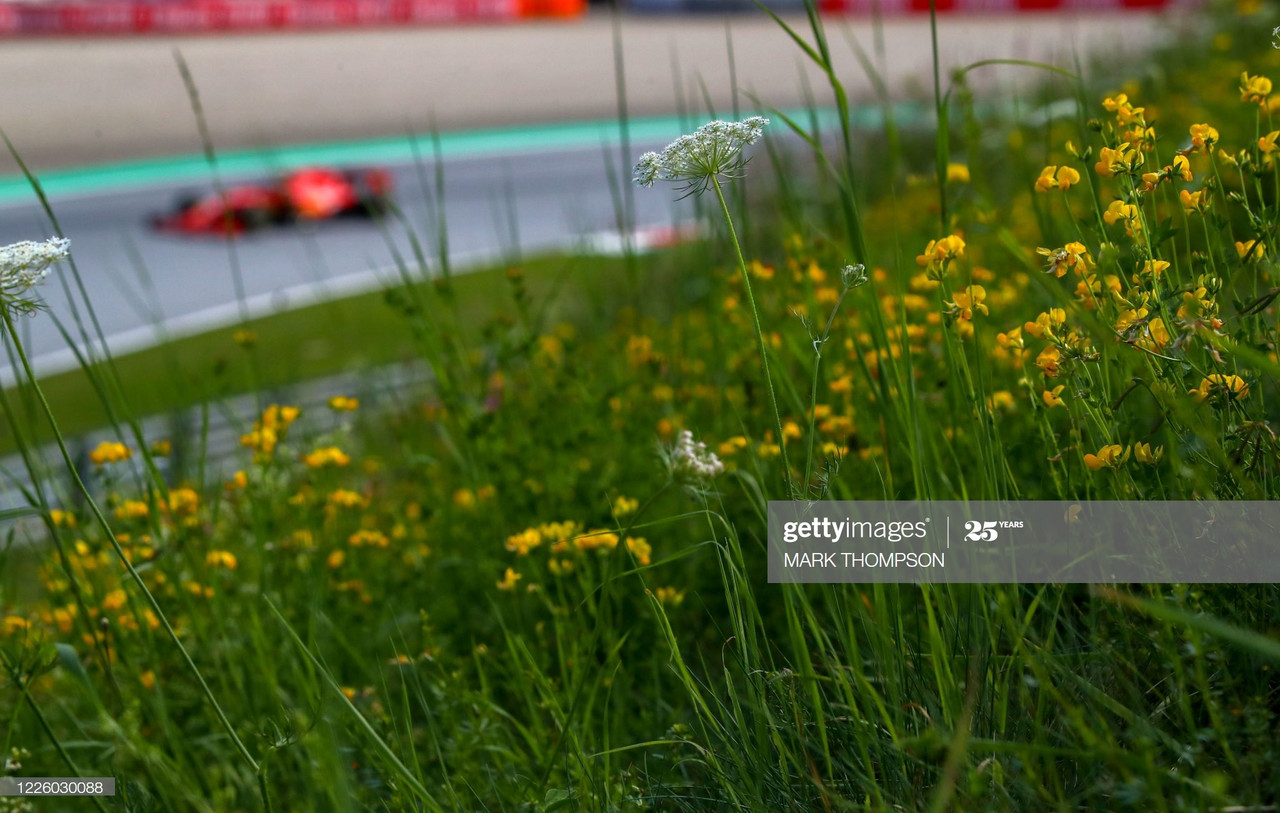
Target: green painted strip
{"type": "Point", "coordinates": [401, 150]}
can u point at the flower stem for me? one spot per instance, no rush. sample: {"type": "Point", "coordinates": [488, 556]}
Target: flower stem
{"type": "Point", "coordinates": [115, 543]}
{"type": "Point", "coordinates": [764, 355]}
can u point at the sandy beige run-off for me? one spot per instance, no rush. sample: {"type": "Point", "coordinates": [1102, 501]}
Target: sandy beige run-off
{"type": "Point", "coordinates": [73, 101]}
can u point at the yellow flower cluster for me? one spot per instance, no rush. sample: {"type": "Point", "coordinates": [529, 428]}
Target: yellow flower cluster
{"type": "Point", "coordinates": [270, 429]}
{"type": "Point", "coordinates": [326, 456]}
{"type": "Point", "coordinates": [939, 254]}
{"type": "Point", "coordinates": [1054, 177]}
{"type": "Point", "coordinates": [1113, 456]}
{"type": "Point", "coordinates": [368, 538]}
{"type": "Point", "coordinates": [110, 452]}
{"type": "Point", "coordinates": [1221, 388]}
{"type": "Point", "coordinates": [220, 558]}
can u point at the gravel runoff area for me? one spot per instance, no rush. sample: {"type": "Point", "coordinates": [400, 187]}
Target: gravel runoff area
{"type": "Point", "coordinates": [73, 101]}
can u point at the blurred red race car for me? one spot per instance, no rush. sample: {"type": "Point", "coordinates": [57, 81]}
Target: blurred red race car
{"type": "Point", "coordinates": [306, 194]}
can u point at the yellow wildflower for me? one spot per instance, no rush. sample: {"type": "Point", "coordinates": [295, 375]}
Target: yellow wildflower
{"type": "Point", "coordinates": [198, 590]}
{"type": "Point", "coordinates": [640, 549]}
{"type": "Point", "coordinates": [1119, 211]}
{"type": "Point", "coordinates": [639, 350]}
{"type": "Point", "coordinates": [1049, 361]}
{"type": "Point", "coordinates": [343, 498]}
{"type": "Point", "coordinates": [326, 456]}
{"type": "Point", "coordinates": [957, 173]}
{"type": "Point", "coordinates": [260, 440]}
{"type": "Point", "coordinates": [1125, 112]}
{"type": "Point", "coordinates": [1144, 453]}
{"type": "Point", "coordinates": [1252, 250]}
{"type": "Point", "coordinates": [1221, 388]}
{"type": "Point", "coordinates": [1203, 136]}
{"type": "Point", "coordinates": [373, 539]}
{"type": "Point", "coordinates": [732, 446]}
{"type": "Point", "coordinates": [279, 417]}
{"type": "Point", "coordinates": [1112, 456]}
{"type": "Point", "coordinates": [132, 509]}
{"type": "Point", "coordinates": [1053, 177]}
{"type": "Point", "coordinates": [1154, 268]}
{"type": "Point", "coordinates": [1195, 304]}
{"type": "Point", "coordinates": [343, 403]}
{"type": "Point", "coordinates": [1154, 335]}
{"type": "Point", "coordinates": [938, 253]}
{"type": "Point", "coordinates": [596, 540]}
{"type": "Point", "coordinates": [1197, 201]}
{"type": "Point", "coordinates": [1182, 167]}
{"type": "Point", "coordinates": [1254, 89]}
{"type": "Point", "coordinates": [183, 501]}
{"type": "Point", "coordinates": [509, 580]}
{"type": "Point", "coordinates": [559, 567]}
{"type": "Point", "coordinates": [1001, 399]}
{"type": "Point", "coordinates": [13, 623]}
{"type": "Point", "coordinates": [1071, 256]}
{"type": "Point", "coordinates": [669, 596]}
{"type": "Point", "coordinates": [520, 544]}
{"type": "Point", "coordinates": [969, 300]}
{"type": "Point", "coordinates": [1121, 159]}
{"type": "Point", "coordinates": [221, 558]}
{"type": "Point", "coordinates": [110, 452]}
{"type": "Point", "coordinates": [1044, 325]}
{"type": "Point", "coordinates": [1011, 340]}
{"type": "Point", "coordinates": [1051, 397]}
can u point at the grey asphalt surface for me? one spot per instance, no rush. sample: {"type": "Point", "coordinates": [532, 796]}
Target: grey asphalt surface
{"type": "Point", "coordinates": [557, 199]}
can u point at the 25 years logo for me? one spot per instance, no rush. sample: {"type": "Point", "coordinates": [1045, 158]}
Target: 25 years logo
{"type": "Point", "coordinates": [977, 531]}
{"type": "Point", "coordinates": [986, 531]}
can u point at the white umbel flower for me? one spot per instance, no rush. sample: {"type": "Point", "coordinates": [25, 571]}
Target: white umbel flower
{"type": "Point", "coordinates": [24, 265]}
{"type": "Point", "coordinates": [690, 462]}
{"type": "Point", "coordinates": [712, 151]}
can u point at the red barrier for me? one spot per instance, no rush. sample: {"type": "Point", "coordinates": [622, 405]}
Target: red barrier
{"type": "Point", "coordinates": [987, 6]}
{"type": "Point", "coordinates": [194, 16]}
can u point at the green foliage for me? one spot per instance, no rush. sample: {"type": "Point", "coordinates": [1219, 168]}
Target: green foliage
{"type": "Point", "coordinates": [504, 590]}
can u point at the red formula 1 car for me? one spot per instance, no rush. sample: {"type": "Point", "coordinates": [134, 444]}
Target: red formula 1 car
{"type": "Point", "coordinates": [303, 195]}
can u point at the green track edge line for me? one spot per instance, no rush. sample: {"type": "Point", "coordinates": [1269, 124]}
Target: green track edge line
{"type": "Point", "coordinates": [194, 168]}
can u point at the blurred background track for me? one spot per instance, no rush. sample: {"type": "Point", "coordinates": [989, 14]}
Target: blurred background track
{"type": "Point", "coordinates": [77, 100]}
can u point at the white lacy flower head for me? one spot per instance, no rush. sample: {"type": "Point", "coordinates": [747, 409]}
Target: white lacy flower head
{"type": "Point", "coordinates": [853, 276]}
{"type": "Point", "coordinates": [24, 265]}
{"type": "Point", "coordinates": [690, 461]}
{"type": "Point", "coordinates": [712, 151]}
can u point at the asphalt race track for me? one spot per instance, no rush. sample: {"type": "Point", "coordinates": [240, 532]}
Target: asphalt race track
{"type": "Point", "coordinates": [558, 198]}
